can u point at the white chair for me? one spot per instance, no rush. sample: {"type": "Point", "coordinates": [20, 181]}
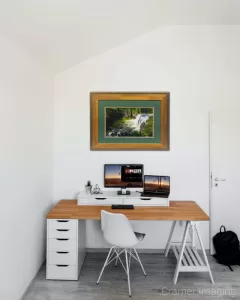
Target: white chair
{"type": "Point", "coordinates": [118, 232]}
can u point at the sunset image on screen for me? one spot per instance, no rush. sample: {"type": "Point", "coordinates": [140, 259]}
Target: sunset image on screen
{"type": "Point", "coordinates": [151, 182]}
{"type": "Point", "coordinates": [165, 182]}
{"type": "Point", "coordinates": [112, 175]}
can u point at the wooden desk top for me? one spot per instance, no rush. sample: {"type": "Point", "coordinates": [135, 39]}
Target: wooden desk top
{"type": "Point", "coordinates": [178, 210]}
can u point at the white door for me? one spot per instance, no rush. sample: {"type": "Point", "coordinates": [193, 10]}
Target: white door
{"type": "Point", "coordinates": [225, 171]}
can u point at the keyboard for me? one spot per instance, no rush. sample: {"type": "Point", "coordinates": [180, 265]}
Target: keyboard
{"type": "Point", "coordinates": [122, 206]}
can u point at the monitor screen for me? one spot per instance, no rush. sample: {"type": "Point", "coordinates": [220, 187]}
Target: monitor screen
{"type": "Point", "coordinates": [157, 184]}
{"type": "Point", "coordinates": [123, 176]}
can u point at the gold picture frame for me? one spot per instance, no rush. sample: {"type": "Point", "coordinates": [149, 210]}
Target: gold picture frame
{"type": "Point", "coordinates": [129, 121]}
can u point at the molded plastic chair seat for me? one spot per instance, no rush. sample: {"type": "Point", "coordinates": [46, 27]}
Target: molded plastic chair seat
{"type": "Point", "coordinates": [118, 232]}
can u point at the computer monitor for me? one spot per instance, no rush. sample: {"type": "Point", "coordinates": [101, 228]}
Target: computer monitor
{"type": "Point", "coordinates": [123, 176]}
{"type": "Point", "coordinates": [156, 184]}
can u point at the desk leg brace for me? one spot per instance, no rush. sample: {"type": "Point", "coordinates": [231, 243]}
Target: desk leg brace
{"type": "Point", "coordinates": [179, 261]}
{"type": "Point", "coordinates": [169, 242]}
{"type": "Point", "coordinates": [204, 253]}
{"type": "Point", "coordinates": [193, 264]}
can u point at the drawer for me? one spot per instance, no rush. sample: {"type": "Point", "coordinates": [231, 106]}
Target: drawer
{"type": "Point", "coordinates": [62, 244]}
{"type": "Point", "coordinates": [62, 233]}
{"type": "Point", "coordinates": [99, 200]}
{"type": "Point", "coordinates": [62, 224]}
{"type": "Point", "coordinates": [147, 201]}
{"type": "Point", "coordinates": [65, 272]}
{"type": "Point", "coordinates": [62, 258]}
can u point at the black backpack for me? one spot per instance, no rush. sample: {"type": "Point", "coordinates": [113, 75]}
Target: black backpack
{"type": "Point", "coordinates": [226, 244]}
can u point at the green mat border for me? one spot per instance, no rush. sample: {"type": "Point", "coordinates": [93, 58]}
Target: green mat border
{"type": "Point", "coordinates": [102, 104]}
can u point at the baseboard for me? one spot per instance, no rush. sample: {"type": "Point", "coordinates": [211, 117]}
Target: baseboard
{"type": "Point", "coordinates": [105, 250]}
{"type": "Point", "coordinates": [153, 251]}
{"type": "Point", "coordinates": [31, 282]}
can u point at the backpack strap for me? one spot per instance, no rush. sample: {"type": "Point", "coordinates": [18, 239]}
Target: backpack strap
{"type": "Point", "coordinates": [230, 268]}
{"type": "Point", "coordinates": [223, 228]}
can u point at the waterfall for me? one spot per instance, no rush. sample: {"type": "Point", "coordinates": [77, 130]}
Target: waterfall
{"type": "Point", "coordinates": [127, 127]}
{"type": "Point", "coordinates": [139, 120]}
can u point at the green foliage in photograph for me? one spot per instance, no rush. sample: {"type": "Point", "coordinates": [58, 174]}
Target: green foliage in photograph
{"type": "Point", "coordinates": [148, 128]}
{"type": "Point", "coordinates": [129, 122]}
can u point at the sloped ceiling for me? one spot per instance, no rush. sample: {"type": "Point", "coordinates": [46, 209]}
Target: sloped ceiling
{"type": "Point", "coordinates": [62, 33]}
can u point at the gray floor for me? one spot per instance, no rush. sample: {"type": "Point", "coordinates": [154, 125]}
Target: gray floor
{"type": "Point", "coordinates": [158, 283]}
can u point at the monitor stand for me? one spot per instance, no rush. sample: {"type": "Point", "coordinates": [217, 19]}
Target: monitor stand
{"type": "Point", "coordinates": [123, 191]}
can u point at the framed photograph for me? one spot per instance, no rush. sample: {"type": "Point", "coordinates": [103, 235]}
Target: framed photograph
{"type": "Point", "coordinates": [129, 121]}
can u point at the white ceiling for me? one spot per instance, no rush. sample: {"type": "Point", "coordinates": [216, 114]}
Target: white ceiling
{"type": "Point", "coordinates": [62, 33]}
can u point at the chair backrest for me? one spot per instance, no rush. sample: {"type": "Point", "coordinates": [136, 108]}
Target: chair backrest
{"type": "Point", "coordinates": [117, 230]}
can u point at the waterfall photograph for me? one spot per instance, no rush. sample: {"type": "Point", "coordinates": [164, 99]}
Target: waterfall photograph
{"type": "Point", "coordinates": [129, 122]}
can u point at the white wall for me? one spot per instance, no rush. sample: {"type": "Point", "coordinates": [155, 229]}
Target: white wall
{"type": "Point", "coordinates": [199, 66]}
{"type": "Point", "coordinates": [26, 131]}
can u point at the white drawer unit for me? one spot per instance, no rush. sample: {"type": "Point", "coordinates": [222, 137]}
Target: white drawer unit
{"type": "Point", "coordinates": [62, 244]}
{"type": "Point", "coordinates": [61, 271]}
{"type": "Point", "coordinates": [147, 201]}
{"type": "Point", "coordinates": [63, 224]}
{"type": "Point", "coordinates": [62, 257]}
{"type": "Point", "coordinates": [65, 248]}
{"type": "Point", "coordinates": [99, 200]}
{"type": "Point", "coordinates": [110, 197]}
{"type": "Point", "coordinates": [62, 233]}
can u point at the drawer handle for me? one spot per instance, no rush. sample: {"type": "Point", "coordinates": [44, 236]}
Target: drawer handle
{"type": "Point", "coordinates": [62, 266]}
{"type": "Point", "coordinates": [62, 239]}
{"type": "Point", "coordinates": [100, 198]}
{"type": "Point", "coordinates": [62, 229]}
{"type": "Point", "coordinates": [145, 198]}
{"type": "Point", "coordinates": [62, 221]}
{"type": "Point", "coordinates": [62, 252]}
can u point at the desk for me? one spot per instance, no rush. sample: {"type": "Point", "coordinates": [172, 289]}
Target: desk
{"type": "Point", "coordinates": [63, 218]}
